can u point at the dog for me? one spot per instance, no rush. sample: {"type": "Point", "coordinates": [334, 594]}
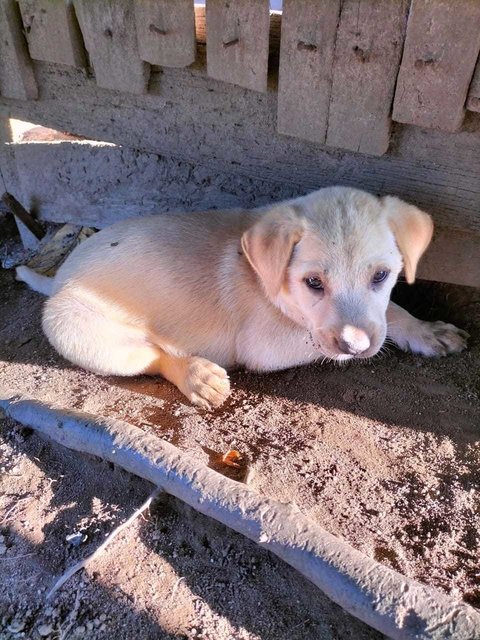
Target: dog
{"type": "Point", "coordinates": [190, 296]}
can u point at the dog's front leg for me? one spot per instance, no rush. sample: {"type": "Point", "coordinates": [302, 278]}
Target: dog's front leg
{"type": "Point", "coordinates": [426, 338]}
{"type": "Point", "coordinates": [204, 383]}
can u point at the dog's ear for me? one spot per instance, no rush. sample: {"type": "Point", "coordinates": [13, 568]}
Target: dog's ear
{"type": "Point", "coordinates": [413, 230]}
{"type": "Point", "coordinates": [269, 243]}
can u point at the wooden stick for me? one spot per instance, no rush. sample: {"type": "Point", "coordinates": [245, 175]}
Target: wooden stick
{"type": "Point", "coordinates": [22, 214]}
{"type": "Point", "coordinates": [394, 604]}
{"type": "Point", "coordinates": [81, 564]}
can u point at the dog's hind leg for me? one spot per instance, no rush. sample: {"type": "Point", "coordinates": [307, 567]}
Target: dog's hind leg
{"type": "Point", "coordinates": [94, 334]}
{"type": "Point", "coordinates": [100, 337]}
{"type": "Point", "coordinates": [426, 338]}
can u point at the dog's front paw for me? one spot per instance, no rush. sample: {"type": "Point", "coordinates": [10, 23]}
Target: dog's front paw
{"type": "Point", "coordinates": [206, 384]}
{"type": "Point", "coordinates": [433, 338]}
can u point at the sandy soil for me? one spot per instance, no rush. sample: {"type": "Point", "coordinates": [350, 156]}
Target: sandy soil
{"type": "Point", "coordinates": [383, 454]}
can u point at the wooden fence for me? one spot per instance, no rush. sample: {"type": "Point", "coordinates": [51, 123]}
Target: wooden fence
{"type": "Point", "coordinates": [345, 68]}
{"type": "Point", "coordinates": [330, 74]}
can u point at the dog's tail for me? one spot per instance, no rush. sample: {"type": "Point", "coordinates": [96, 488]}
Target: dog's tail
{"type": "Point", "coordinates": [37, 282]}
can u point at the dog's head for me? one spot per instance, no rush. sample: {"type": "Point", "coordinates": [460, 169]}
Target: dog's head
{"type": "Point", "coordinates": [329, 262]}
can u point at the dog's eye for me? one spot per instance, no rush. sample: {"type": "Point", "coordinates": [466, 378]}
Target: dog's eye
{"type": "Point", "coordinates": [314, 283]}
{"type": "Point", "coordinates": [380, 276]}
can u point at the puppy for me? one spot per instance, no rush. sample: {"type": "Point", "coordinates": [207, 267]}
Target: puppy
{"type": "Point", "coordinates": [189, 296]}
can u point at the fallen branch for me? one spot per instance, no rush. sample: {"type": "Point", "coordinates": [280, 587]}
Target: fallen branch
{"type": "Point", "coordinates": [394, 604]}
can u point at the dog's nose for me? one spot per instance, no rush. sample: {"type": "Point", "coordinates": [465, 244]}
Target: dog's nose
{"type": "Point", "coordinates": [353, 341]}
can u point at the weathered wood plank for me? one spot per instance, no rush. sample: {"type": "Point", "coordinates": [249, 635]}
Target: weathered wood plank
{"type": "Point", "coordinates": [305, 74]}
{"type": "Point", "coordinates": [166, 32]}
{"type": "Point", "coordinates": [231, 130]}
{"type": "Point", "coordinates": [452, 257]}
{"type": "Point", "coordinates": [52, 32]}
{"type": "Point", "coordinates": [367, 55]}
{"type": "Point", "coordinates": [274, 37]}
{"type": "Point", "coordinates": [108, 29]}
{"type": "Point", "coordinates": [473, 100]}
{"type": "Point", "coordinates": [441, 49]}
{"type": "Point", "coordinates": [16, 74]}
{"type": "Point", "coordinates": [237, 42]}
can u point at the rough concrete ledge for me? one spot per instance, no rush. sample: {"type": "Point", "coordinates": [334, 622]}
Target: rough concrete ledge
{"type": "Point", "coordinates": [97, 183]}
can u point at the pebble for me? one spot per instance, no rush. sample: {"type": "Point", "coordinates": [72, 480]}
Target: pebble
{"type": "Point", "coordinates": [76, 539]}
{"type": "Point", "coordinates": [45, 630]}
{"type": "Point", "coordinates": [3, 549]}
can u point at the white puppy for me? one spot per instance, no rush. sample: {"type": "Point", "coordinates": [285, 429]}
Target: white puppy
{"type": "Point", "coordinates": [188, 296]}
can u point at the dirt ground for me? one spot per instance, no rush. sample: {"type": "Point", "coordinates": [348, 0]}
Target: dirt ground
{"type": "Point", "coordinates": [383, 454]}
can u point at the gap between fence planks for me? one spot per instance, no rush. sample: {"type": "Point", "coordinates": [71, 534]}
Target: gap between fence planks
{"type": "Point", "coordinates": [441, 48]}
{"type": "Point", "coordinates": [17, 79]}
{"type": "Point", "coordinates": [52, 32]}
{"type": "Point", "coordinates": [237, 42]}
{"type": "Point", "coordinates": [368, 48]}
{"type": "Point", "coordinates": [166, 32]}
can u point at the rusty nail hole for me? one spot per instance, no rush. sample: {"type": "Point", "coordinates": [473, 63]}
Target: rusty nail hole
{"type": "Point", "coordinates": [419, 64]}
{"type": "Point", "coordinates": [305, 46]}
{"type": "Point", "coordinates": [230, 43]}
{"type": "Point", "coordinates": [108, 33]}
{"type": "Point", "coordinates": [154, 29]}
{"type": "Point", "coordinates": [364, 56]}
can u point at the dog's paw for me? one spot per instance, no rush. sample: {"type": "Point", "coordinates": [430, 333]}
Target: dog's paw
{"type": "Point", "coordinates": [206, 384]}
{"type": "Point", "coordinates": [433, 339]}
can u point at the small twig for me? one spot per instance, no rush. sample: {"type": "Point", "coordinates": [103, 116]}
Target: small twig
{"type": "Point", "coordinates": [22, 214]}
{"type": "Point", "coordinates": [25, 555]}
{"type": "Point", "coordinates": [83, 563]}
{"type": "Point", "coordinates": [175, 587]}
{"type": "Point", "coordinates": [13, 507]}
{"type": "Point", "coordinates": [300, 624]}
{"type": "Point", "coordinates": [72, 616]}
